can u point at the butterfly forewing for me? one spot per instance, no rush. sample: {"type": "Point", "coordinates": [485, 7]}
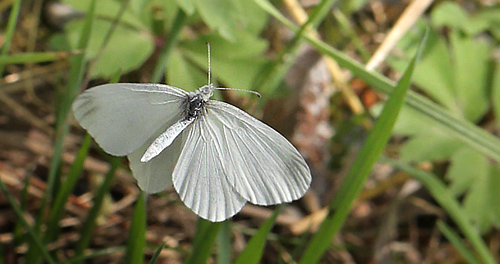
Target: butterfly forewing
{"type": "Point", "coordinates": [262, 166]}
{"type": "Point", "coordinates": [122, 117]}
{"type": "Point", "coordinates": [155, 175]}
{"type": "Point", "coordinates": [200, 177]}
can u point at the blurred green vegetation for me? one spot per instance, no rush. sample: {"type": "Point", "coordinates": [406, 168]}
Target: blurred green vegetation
{"type": "Point", "coordinates": [449, 119]}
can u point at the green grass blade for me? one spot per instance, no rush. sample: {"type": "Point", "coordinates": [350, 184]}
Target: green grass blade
{"type": "Point", "coordinates": [224, 245]}
{"type": "Point", "coordinates": [446, 200]}
{"type": "Point", "coordinates": [346, 26]}
{"type": "Point", "coordinates": [18, 228]}
{"type": "Point", "coordinates": [455, 239]}
{"type": "Point", "coordinates": [65, 191]}
{"type": "Point", "coordinates": [77, 68]}
{"type": "Point", "coordinates": [173, 36]}
{"type": "Point", "coordinates": [157, 253]}
{"type": "Point", "coordinates": [137, 234]}
{"type": "Point", "coordinates": [360, 169]}
{"type": "Point", "coordinates": [36, 242]}
{"type": "Point", "coordinates": [87, 228]}
{"type": "Point", "coordinates": [462, 129]}
{"type": "Point", "coordinates": [95, 254]}
{"type": "Point", "coordinates": [33, 57]}
{"type": "Point", "coordinates": [9, 32]}
{"type": "Point", "coordinates": [206, 232]}
{"type": "Point", "coordinates": [255, 247]}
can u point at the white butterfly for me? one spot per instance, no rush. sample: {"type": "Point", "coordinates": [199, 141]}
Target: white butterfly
{"type": "Point", "coordinates": [215, 155]}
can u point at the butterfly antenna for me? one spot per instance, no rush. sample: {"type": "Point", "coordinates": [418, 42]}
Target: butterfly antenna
{"type": "Point", "coordinates": [218, 88]}
{"type": "Point", "coordinates": [208, 47]}
{"type": "Point", "coordinates": [239, 90]}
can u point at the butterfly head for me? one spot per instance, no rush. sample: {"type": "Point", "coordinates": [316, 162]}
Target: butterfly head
{"type": "Point", "coordinates": [205, 92]}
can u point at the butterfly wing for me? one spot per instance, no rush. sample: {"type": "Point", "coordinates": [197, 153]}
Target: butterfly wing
{"type": "Point", "coordinates": [263, 166]}
{"type": "Point", "coordinates": [122, 117]}
{"type": "Point", "coordinates": [155, 175]}
{"type": "Point", "coordinates": [200, 177]}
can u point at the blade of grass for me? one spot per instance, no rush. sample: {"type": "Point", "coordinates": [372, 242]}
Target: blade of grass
{"type": "Point", "coordinates": [66, 189]}
{"type": "Point", "coordinates": [446, 200]}
{"type": "Point", "coordinates": [206, 232]}
{"type": "Point", "coordinates": [18, 229]}
{"type": "Point", "coordinates": [361, 168]}
{"type": "Point", "coordinates": [77, 69]}
{"type": "Point", "coordinates": [346, 26]}
{"type": "Point", "coordinates": [457, 242]}
{"type": "Point", "coordinates": [224, 243]}
{"type": "Point", "coordinates": [87, 228]}
{"type": "Point", "coordinates": [20, 216]}
{"type": "Point", "coordinates": [255, 247]}
{"type": "Point", "coordinates": [462, 129]}
{"type": "Point", "coordinates": [95, 254]}
{"type": "Point", "coordinates": [271, 74]}
{"type": "Point", "coordinates": [157, 253]}
{"type": "Point", "coordinates": [173, 36]}
{"type": "Point", "coordinates": [9, 32]}
{"type": "Point", "coordinates": [34, 57]}
{"type": "Point", "coordinates": [137, 234]}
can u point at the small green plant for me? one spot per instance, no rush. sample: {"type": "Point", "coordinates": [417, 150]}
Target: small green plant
{"type": "Point", "coordinates": [458, 73]}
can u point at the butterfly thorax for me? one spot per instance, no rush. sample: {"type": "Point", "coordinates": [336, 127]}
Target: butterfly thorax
{"type": "Point", "coordinates": [196, 101]}
{"type": "Point", "coordinates": [194, 106]}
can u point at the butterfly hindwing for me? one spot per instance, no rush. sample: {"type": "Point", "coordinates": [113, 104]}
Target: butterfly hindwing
{"type": "Point", "coordinates": [263, 166]}
{"type": "Point", "coordinates": [200, 176]}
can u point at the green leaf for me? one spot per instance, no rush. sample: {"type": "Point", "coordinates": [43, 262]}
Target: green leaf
{"type": "Point", "coordinates": [452, 15]}
{"type": "Point", "coordinates": [434, 73]}
{"type": "Point", "coordinates": [137, 233]}
{"type": "Point", "coordinates": [187, 6]}
{"type": "Point", "coordinates": [466, 73]}
{"type": "Point", "coordinates": [183, 74]}
{"type": "Point", "coordinates": [117, 54]}
{"type": "Point", "coordinates": [218, 15]}
{"type": "Point", "coordinates": [108, 9]}
{"type": "Point", "coordinates": [472, 173]}
{"type": "Point", "coordinates": [429, 147]}
{"type": "Point", "coordinates": [446, 200]}
{"type": "Point", "coordinates": [491, 16]}
{"type": "Point", "coordinates": [254, 19]}
{"type": "Point", "coordinates": [129, 46]}
{"type": "Point", "coordinates": [255, 247]}
{"type": "Point", "coordinates": [361, 168]}
{"type": "Point", "coordinates": [235, 64]}
{"type": "Point", "coordinates": [471, 75]}
{"type": "Point", "coordinates": [466, 166]}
